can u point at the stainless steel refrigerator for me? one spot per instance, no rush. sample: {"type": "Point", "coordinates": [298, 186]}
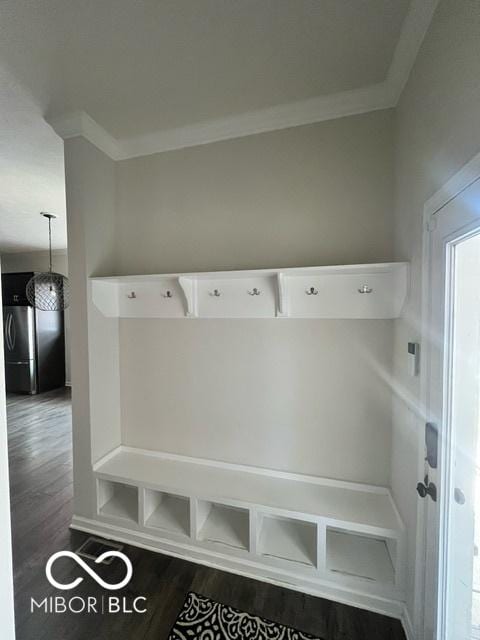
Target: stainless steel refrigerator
{"type": "Point", "coordinates": [34, 341]}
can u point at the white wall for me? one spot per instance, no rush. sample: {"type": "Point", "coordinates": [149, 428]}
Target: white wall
{"type": "Point", "coordinates": [90, 191]}
{"type": "Point", "coordinates": [6, 581]}
{"type": "Point", "coordinates": [39, 261]}
{"type": "Point", "coordinates": [311, 195]}
{"type": "Point", "coordinates": [296, 395]}
{"type": "Point", "coordinates": [437, 132]}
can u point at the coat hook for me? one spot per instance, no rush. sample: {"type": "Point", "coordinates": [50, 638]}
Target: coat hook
{"type": "Point", "coordinates": [132, 295]}
{"type": "Point", "coordinates": [365, 289]}
{"type": "Point", "coordinates": [312, 292]}
{"type": "Point", "coordinates": [254, 292]}
{"type": "Point", "coordinates": [215, 293]}
{"type": "Point", "coordinates": [167, 294]}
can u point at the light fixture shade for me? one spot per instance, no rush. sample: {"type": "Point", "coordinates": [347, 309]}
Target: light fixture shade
{"type": "Point", "coordinates": [48, 291]}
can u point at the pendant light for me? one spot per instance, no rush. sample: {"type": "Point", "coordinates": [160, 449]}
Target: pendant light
{"type": "Point", "coordinates": [48, 291]}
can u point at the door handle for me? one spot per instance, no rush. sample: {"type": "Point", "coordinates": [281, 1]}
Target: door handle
{"type": "Point", "coordinates": [427, 488]}
{"type": "Point", "coordinates": [458, 496]}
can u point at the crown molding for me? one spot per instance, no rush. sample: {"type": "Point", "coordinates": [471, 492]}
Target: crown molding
{"type": "Point", "coordinates": [413, 32]}
{"type": "Point", "coordinates": [79, 123]}
{"type": "Point", "coordinates": [346, 103]}
{"type": "Point", "coordinates": [338, 105]}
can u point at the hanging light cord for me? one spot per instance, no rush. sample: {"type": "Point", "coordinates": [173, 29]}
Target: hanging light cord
{"type": "Point", "coordinates": [50, 241]}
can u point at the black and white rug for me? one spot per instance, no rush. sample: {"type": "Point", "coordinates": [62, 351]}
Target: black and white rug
{"type": "Point", "coordinates": [205, 619]}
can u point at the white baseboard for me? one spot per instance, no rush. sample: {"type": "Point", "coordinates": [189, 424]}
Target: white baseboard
{"type": "Point", "coordinates": [243, 567]}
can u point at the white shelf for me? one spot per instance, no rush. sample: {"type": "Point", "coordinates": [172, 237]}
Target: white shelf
{"type": "Point", "coordinates": [359, 556]}
{"type": "Point", "coordinates": [311, 292]}
{"type": "Point", "coordinates": [289, 540]}
{"type": "Point", "coordinates": [361, 507]}
{"type": "Point", "coordinates": [166, 512]}
{"type": "Point", "coordinates": [223, 525]}
{"type": "Point", "coordinates": [118, 501]}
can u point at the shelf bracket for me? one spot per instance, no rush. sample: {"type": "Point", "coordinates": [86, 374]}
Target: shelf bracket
{"type": "Point", "coordinates": [189, 288]}
{"type": "Point", "coordinates": [105, 296]}
{"type": "Point", "coordinates": [282, 310]}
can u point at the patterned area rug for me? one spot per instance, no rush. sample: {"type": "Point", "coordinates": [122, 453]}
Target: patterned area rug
{"type": "Point", "coordinates": [205, 619]}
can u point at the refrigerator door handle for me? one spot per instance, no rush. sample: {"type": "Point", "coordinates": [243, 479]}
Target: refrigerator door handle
{"type": "Point", "coordinates": [13, 332]}
{"type": "Point", "coordinates": [7, 328]}
{"type": "Point", "coordinates": [5, 331]}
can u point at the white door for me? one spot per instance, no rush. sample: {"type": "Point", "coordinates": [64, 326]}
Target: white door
{"type": "Point", "coordinates": [452, 403]}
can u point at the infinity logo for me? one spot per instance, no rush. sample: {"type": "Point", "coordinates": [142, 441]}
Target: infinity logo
{"type": "Point", "coordinates": [87, 569]}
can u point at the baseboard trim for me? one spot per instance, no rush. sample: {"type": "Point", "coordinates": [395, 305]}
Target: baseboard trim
{"type": "Point", "coordinates": [240, 566]}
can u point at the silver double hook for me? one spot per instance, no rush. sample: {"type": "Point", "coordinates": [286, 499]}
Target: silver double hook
{"type": "Point", "coordinates": [365, 289]}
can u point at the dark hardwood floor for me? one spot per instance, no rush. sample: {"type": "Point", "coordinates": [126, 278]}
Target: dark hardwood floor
{"type": "Point", "coordinates": [41, 496]}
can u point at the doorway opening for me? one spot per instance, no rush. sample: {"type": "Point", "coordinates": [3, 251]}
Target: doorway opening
{"type": "Point", "coordinates": [462, 501]}
{"type": "Point", "coordinates": [36, 361]}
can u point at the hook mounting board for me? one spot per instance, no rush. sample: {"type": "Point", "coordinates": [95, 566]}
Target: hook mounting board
{"type": "Point", "coordinates": [310, 292]}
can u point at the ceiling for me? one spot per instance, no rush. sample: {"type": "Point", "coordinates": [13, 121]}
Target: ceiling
{"type": "Point", "coordinates": [155, 65]}
{"type": "Point", "coordinates": [31, 173]}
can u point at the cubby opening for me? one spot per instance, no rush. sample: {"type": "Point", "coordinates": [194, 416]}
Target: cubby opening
{"type": "Point", "coordinates": [222, 524]}
{"type": "Point", "coordinates": [361, 556]}
{"type": "Point", "coordinates": [117, 500]}
{"type": "Point", "coordinates": [288, 539]}
{"type": "Point", "coordinates": [167, 512]}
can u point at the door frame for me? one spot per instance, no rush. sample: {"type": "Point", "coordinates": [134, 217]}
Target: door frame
{"type": "Point", "coordinates": [467, 176]}
{"type": "Point", "coordinates": [6, 562]}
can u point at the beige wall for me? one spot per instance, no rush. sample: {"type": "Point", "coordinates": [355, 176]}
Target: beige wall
{"type": "Point", "coordinates": [297, 395]}
{"type": "Point", "coordinates": [312, 195]}
{"type": "Point", "coordinates": [38, 261]}
{"type": "Point", "coordinates": [437, 132]}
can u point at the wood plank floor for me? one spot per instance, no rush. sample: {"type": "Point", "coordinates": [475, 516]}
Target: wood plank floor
{"type": "Point", "coordinates": [41, 495]}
